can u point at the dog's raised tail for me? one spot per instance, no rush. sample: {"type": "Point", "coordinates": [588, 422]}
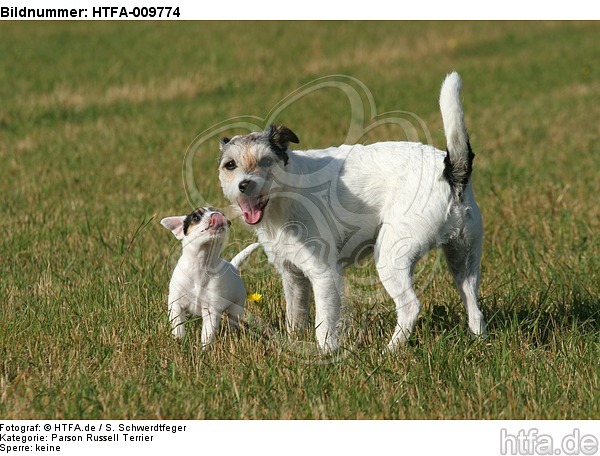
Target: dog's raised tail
{"type": "Point", "coordinates": [459, 158]}
{"type": "Point", "coordinates": [237, 260]}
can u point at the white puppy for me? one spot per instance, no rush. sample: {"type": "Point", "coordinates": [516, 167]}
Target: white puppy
{"type": "Point", "coordinates": [203, 284]}
{"type": "Point", "coordinates": [317, 211]}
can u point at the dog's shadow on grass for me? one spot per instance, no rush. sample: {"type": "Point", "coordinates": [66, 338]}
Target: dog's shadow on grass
{"type": "Point", "coordinates": [535, 319]}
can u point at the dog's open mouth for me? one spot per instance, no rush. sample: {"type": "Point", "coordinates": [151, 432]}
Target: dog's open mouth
{"type": "Point", "coordinates": [253, 208]}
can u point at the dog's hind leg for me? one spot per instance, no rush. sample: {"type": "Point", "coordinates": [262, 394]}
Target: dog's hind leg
{"type": "Point", "coordinates": [463, 262]}
{"type": "Point", "coordinates": [395, 259]}
{"type": "Point", "coordinates": [398, 283]}
{"type": "Point", "coordinates": [463, 255]}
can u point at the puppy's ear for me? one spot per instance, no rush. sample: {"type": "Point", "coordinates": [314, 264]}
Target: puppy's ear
{"type": "Point", "coordinates": [175, 225]}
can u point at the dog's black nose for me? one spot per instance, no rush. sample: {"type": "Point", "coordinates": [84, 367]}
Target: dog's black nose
{"type": "Point", "coordinates": [243, 185]}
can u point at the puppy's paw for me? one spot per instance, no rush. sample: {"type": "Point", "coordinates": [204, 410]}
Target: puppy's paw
{"type": "Point", "coordinates": [178, 332]}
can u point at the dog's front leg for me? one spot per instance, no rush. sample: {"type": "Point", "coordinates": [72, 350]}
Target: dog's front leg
{"type": "Point", "coordinates": [328, 290]}
{"type": "Point", "coordinates": [296, 289]}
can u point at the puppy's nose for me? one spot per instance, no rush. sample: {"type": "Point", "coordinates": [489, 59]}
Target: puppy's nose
{"type": "Point", "coordinates": [217, 219]}
{"type": "Point", "coordinates": [243, 185]}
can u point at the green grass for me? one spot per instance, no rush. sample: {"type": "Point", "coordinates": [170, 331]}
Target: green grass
{"type": "Point", "coordinates": [95, 121]}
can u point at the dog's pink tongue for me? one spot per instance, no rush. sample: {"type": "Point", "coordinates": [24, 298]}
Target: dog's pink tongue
{"type": "Point", "coordinates": [251, 210]}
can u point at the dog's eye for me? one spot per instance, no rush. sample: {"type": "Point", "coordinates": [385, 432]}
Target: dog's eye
{"type": "Point", "coordinates": [265, 162]}
{"type": "Point", "coordinates": [230, 165]}
{"type": "Point", "coordinates": [196, 217]}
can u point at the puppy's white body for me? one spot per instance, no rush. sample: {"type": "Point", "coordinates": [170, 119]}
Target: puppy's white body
{"type": "Point", "coordinates": [196, 291]}
{"type": "Point", "coordinates": [203, 284]}
{"type": "Point", "coordinates": [322, 210]}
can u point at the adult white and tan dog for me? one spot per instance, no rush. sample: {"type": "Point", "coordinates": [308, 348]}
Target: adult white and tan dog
{"type": "Point", "coordinates": [317, 211]}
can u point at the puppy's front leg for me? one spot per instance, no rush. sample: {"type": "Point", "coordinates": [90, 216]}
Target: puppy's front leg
{"type": "Point", "coordinates": [296, 289]}
{"type": "Point", "coordinates": [328, 290]}
{"type": "Point", "coordinates": [177, 316]}
{"type": "Point", "coordinates": [211, 322]}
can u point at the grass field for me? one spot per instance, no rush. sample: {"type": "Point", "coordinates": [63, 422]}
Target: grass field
{"type": "Point", "coordinates": [95, 121]}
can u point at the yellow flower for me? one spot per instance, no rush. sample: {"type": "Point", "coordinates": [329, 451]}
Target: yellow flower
{"type": "Point", "coordinates": [255, 297]}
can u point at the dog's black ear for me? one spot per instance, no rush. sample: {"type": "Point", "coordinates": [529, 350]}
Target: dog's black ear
{"type": "Point", "coordinates": [280, 138]}
{"type": "Point", "coordinates": [223, 141]}
{"type": "Point", "coordinates": [222, 144]}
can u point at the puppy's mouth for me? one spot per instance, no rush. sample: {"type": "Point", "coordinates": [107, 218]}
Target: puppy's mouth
{"type": "Point", "coordinates": [216, 230]}
{"type": "Point", "coordinates": [218, 224]}
{"type": "Point", "coordinates": [253, 208]}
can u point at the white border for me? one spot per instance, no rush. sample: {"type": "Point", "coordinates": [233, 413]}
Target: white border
{"type": "Point", "coordinates": [340, 10]}
{"type": "Point", "coordinates": [464, 438]}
